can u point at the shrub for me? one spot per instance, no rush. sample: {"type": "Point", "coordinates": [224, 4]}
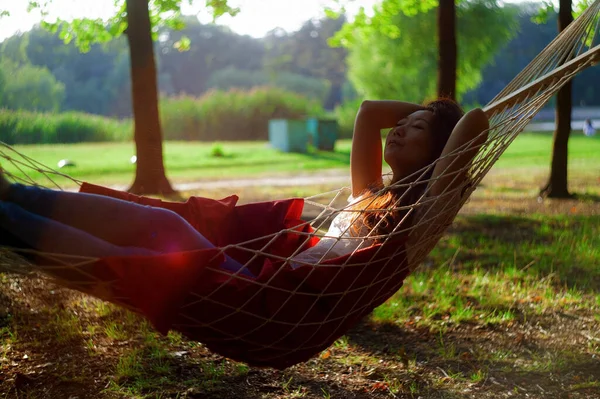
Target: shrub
{"type": "Point", "coordinates": [217, 151]}
{"type": "Point", "coordinates": [217, 116]}
{"type": "Point", "coordinates": [232, 115]}
{"type": "Point", "coordinates": [22, 127]}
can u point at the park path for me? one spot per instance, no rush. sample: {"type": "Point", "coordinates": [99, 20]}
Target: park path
{"type": "Point", "coordinates": [329, 176]}
{"type": "Point", "coordinates": [325, 177]}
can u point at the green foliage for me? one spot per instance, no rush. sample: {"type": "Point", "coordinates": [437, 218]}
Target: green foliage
{"type": "Point", "coordinates": [84, 31]}
{"type": "Point", "coordinates": [2, 85]}
{"type": "Point", "coordinates": [393, 54]}
{"type": "Point", "coordinates": [232, 78]}
{"type": "Point", "coordinates": [232, 115]}
{"type": "Point", "coordinates": [39, 128]}
{"type": "Point", "coordinates": [307, 52]}
{"type": "Point", "coordinates": [14, 49]}
{"type": "Point", "coordinates": [217, 151]}
{"type": "Point", "coordinates": [548, 9]}
{"type": "Point", "coordinates": [30, 88]}
{"type": "Point", "coordinates": [219, 115]}
{"type": "Point", "coordinates": [213, 48]}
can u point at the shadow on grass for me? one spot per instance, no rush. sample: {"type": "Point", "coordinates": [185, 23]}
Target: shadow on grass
{"type": "Point", "coordinates": [438, 363]}
{"type": "Point", "coordinates": [47, 349]}
{"type": "Point", "coordinates": [487, 358]}
{"type": "Point", "coordinates": [587, 197]}
{"type": "Point", "coordinates": [564, 245]}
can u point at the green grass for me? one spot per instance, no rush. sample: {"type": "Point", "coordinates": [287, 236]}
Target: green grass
{"type": "Point", "coordinates": [109, 163]}
{"type": "Point", "coordinates": [532, 150]}
{"type": "Point", "coordinates": [498, 263]}
{"type": "Point", "coordinates": [499, 290]}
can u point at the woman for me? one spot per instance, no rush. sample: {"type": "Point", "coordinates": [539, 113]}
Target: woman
{"type": "Point", "coordinates": [51, 221]}
{"type": "Point", "coordinates": [270, 312]}
{"type": "Point", "coordinates": [419, 135]}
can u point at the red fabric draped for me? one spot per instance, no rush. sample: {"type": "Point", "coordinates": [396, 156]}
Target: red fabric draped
{"type": "Point", "coordinates": [281, 317]}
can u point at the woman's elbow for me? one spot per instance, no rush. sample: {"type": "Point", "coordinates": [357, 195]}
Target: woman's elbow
{"type": "Point", "coordinates": [480, 118]}
{"type": "Point", "coordinates": [365, 112]}
{"type": "Point", "coordinates": [365, 108]}
{"type": "Point", "coordinates": [365, 105]}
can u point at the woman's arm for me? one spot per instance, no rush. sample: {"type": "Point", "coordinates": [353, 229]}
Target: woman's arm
{"type": "Point", "coordinates": [366, 155]}
{"type": "Point", "coordinates": [450, 171]}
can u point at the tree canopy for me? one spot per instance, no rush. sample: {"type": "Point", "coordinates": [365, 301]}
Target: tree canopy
{"type": "Point", "coordinates": [86, 31]}
{"type": "Point", "coordinates": [392, 54]}
{"type": "Point", "coordinates": [99, 82]}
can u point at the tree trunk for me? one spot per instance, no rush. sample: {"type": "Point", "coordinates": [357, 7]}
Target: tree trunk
{"type": "Point", "coordinates": [150, 177]}
{"type": "Point", "coordinates": [557, 186]}
{"type": "Point", "coordinates": [447, 49]}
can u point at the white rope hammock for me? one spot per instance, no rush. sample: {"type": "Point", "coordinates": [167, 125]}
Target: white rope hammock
{"type": "Point", "coordinates": [573, 50]}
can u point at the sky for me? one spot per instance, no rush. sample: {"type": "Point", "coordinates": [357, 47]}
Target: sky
{"type": "Point", "coordinates": [256, 18]}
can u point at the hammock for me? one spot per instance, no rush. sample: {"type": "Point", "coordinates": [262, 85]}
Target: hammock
{"type": "Point", "coordinates": [287, 315]}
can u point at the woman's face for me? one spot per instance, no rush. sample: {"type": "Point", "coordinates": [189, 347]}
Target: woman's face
{"type": "Point", "coordinates": [409, 145]}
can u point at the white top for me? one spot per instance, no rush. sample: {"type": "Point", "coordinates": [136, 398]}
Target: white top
{"type": "Point", "coordinates": [338, 241]}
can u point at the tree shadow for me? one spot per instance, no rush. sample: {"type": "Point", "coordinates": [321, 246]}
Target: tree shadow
{"type": "Point", "coordinates": [587, 197]}
{"type": "Point", "coordinates": [512, 362]}
{"type": "Point", "coordinates": [544, 246]}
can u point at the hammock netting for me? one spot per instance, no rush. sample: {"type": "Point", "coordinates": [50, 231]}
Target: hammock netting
{"type": "Point", "coordinates": [286, 315]}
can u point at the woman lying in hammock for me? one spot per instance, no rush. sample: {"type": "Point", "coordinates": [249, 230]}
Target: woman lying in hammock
{"type": "Point", "coordinates": [194, 267]}
{"type": "Point", "coordinates": [99, 226]}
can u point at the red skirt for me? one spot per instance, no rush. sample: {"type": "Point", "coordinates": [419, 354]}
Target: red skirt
{"type": "Point", "coordinates": [281, 317]}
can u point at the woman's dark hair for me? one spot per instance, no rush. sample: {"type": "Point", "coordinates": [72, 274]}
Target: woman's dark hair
{"type": "Point", "coordinates": [446, 114]}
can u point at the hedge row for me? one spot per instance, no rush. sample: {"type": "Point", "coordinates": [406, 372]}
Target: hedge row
{"type": "Point", "coordinates": [232, 115]}
{"type": "Point", "coordinates": [218, 115]}
{"type": "Point", "coordinates": [23, 127]}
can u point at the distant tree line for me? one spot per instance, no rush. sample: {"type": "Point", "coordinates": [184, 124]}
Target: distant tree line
{"type": "Point", "coordinates": [39, 72]}
{"type": "Point", "coordinates": [98, 81]}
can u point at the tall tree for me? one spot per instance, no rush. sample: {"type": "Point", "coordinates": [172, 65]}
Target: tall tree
{"type": "Point", "coordinates": [393, 53]}
{"type": "Point", "coordinates": [135, 19]}
{"type": "Point", "coordinates": [557, 185]}
{"type": "Point", "coordinates": [447, 49]}
{"type": "Point", "coordinates": [150, 174]}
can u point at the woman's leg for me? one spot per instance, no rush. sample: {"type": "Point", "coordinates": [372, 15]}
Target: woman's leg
{"type": "Point", "coordinates": [119, 222]}
{"type": "Point", "coordinates": [48, 235]}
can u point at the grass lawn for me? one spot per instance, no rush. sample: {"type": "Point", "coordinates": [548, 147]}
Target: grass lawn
{"type": "Point", "coordinates": [506, 306]}
{"type": "Point", "coordinates": [191, 161]}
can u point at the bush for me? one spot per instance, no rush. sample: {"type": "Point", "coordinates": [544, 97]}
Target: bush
{"type": "Point", "coordinates": [22, 127]}
{"type": "Point", "coordinates": [232, 115]}
{"type": "Point", "coordinates": [217, 116]}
